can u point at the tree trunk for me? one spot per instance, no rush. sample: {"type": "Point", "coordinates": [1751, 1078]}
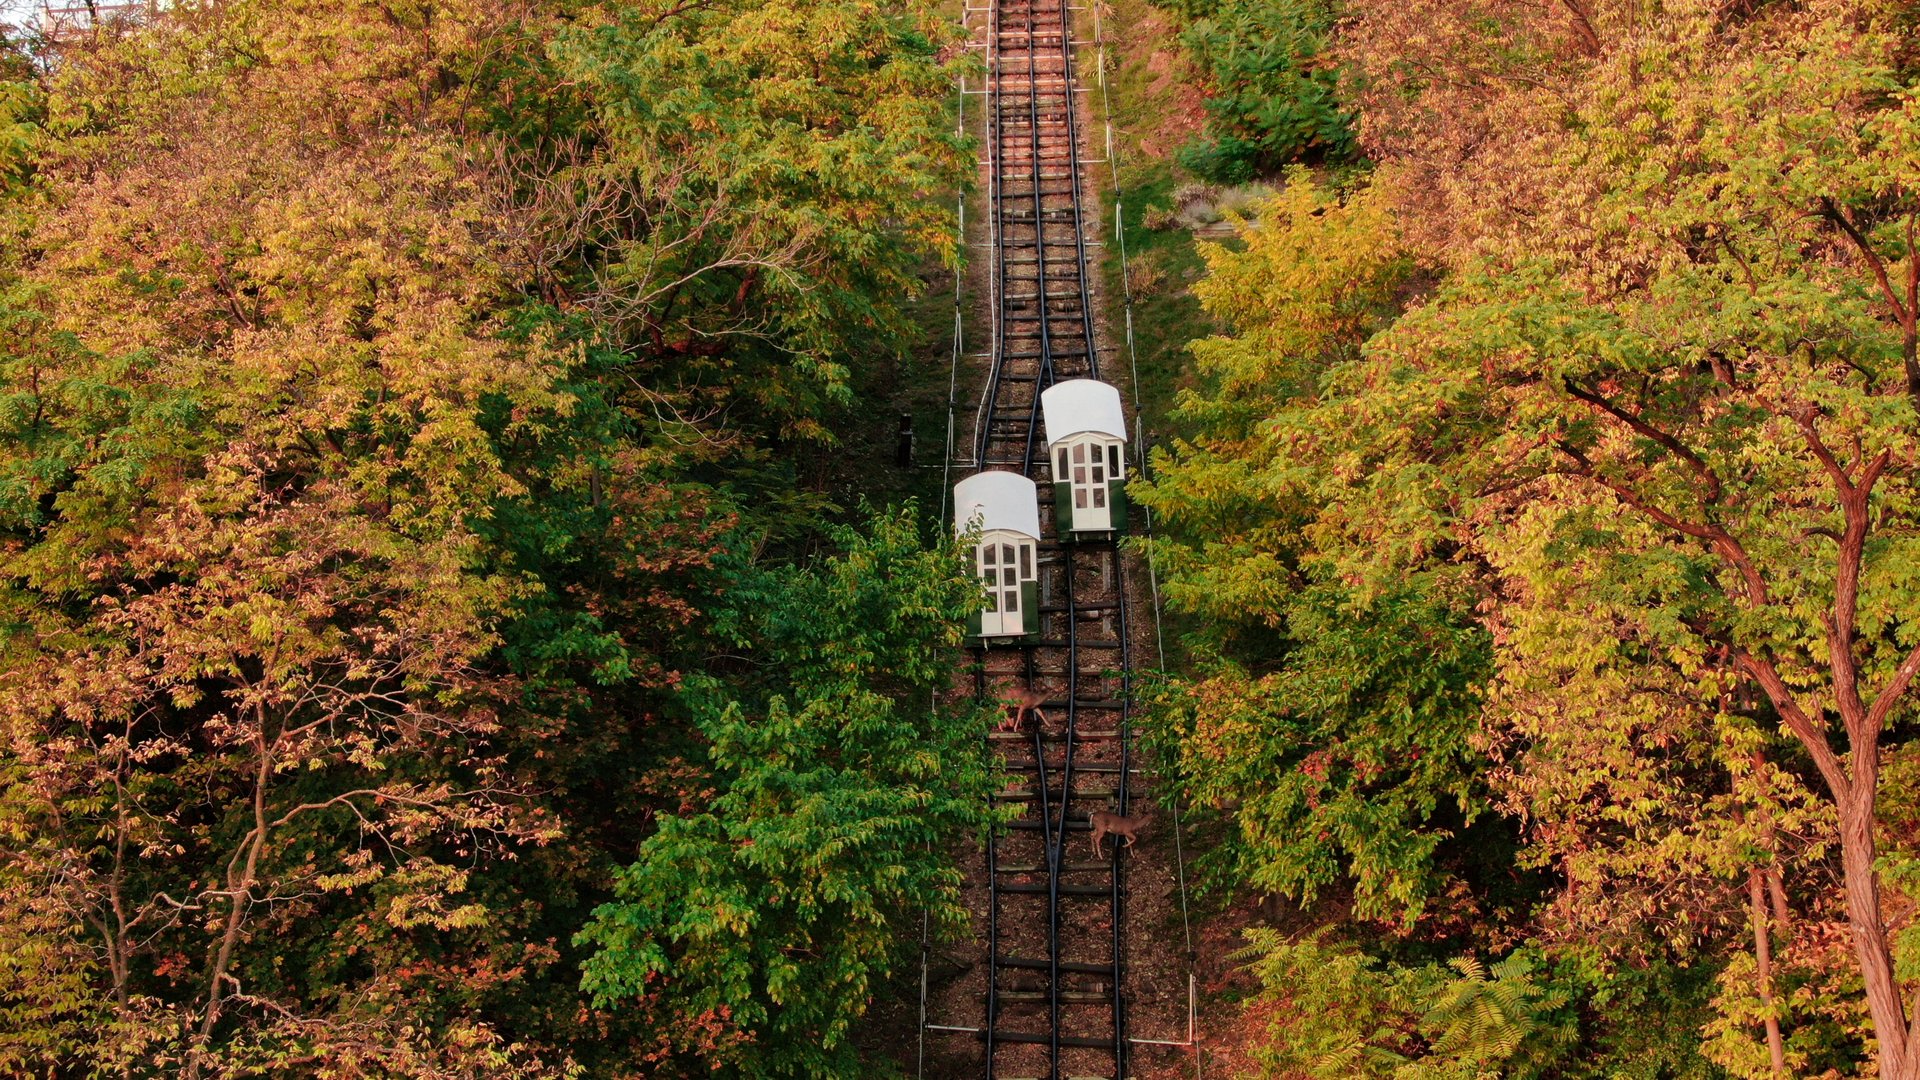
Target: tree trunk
{"type": "Point", "coordinates": [1782, 914]}
{"type": "Point", "coordinates": [1870, 935]}
{"type": "Point", "coordinates": [1769, 842]}
{"type": "Point", "coordinates": [239, 891]}
{"type": "Point", "coordinates": [1763, 971]}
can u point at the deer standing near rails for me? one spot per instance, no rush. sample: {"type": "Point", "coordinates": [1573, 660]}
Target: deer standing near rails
{"type": "Point", "coordinates": [1023, 702]}
{"type": "Point", "coordinates": [1106, 823]}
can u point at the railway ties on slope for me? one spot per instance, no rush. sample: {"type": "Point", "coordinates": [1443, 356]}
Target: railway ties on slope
{"type": "Point", "coordinates": [1043, 317]}
{"type": "Point", "coordinates": [1054, 1003]}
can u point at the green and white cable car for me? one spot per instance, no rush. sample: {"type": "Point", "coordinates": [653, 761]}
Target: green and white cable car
{"type": "Point", "coordinates": [1087, 445]}
{"type": "Point", "coordinates": [1005, 507]}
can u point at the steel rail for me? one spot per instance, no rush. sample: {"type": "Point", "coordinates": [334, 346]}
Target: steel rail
{"type": "Point", "coordinates": [1043, 303]}
{"type": "Point", "coordinates": [1073, 171]}
{"type": "Point", "coordinates": [997, 290]}
{"type": "Point", "coordinates": [993, 906]}
{"type": "Point", "coordinates": [1066, 796]}
{"type": "Point", "coordinates": [1053, 838]}
{"type": "Point", "coordinates": [1125, 788]}
{"type": "Point", "coordinates": [996, 282]}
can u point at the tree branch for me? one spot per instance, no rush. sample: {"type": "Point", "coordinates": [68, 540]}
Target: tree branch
{"type": "Point", "coordinates": [1889, 695]}
{"type": "Point", "coordinates": [1673, 445]}
{"type": "Point", "coordinates": [1803, 727]}
{"type": "Point", "coordinates": [1722, 541]}
{"type": "Point", "coordinates": [1907, 314]}
{"type": "Point", "coordinates": [1583, 27]}
{"type": "Point", "coordinates": [1834, 214]}
{"type": "Point", "coordinates": [1913, 282]}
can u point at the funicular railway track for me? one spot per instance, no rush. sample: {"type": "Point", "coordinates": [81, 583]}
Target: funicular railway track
{"type": "Point", "coordinates": [1054, 1004]}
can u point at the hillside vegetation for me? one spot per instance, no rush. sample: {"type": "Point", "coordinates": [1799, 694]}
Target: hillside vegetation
{"type": "Point", "coordinates": [421, 651]}
{"type": "Point", "coordinates": [1544, 520]}
{"type": "Point", "coordinates": [459, 617]}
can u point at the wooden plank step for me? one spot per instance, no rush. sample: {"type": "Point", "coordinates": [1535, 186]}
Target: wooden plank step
{"type": "Point", "coordinates": [1035, 963]}
{"type": "Point", "coordinates": [1049, 737]}
{"type": "Point", "coordinates": [1045, 888]}
{"type": "Point", "coordinates": [1081, 703]}
{"type": "Point", "coordinates": [1065, 868]}
{"type": "Point", "coordinates": [1058, 354]}
{"type": "Point", "coordinates": [1045, 1039]}
{"type": "Point", "coordinates": [999, 1077]}
{"type": "Point", "coordinates": [1027, 795]}
{"type": "Point", "coordinates": [1067, 997]}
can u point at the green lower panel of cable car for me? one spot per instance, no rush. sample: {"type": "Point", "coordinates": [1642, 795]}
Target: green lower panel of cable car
{"type": "Point", "coordinates": [1073, 523]}
{"type": "Point", "coordinates": [986, 629]}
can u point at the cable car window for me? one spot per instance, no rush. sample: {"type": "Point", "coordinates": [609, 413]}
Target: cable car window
{"type": "Point", "coordinates": [1062, 474]}
{"type": "Point", "coordinates": [1113, 458]}
{"type": "Point", "coordinates": [1099, 498]}
{"type": "Point", "coordinates": [1026, 562]}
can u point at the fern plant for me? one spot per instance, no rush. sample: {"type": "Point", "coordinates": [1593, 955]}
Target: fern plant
{"type": "Point", "coordinates": [1334, 1013]}
{"type": "Point", "coordinates": [1494, 1020]}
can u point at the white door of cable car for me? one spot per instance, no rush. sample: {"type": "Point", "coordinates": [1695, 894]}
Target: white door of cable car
{"type": "Point", "coordinates": [1000, 570]}
{"type": "Point", "coordinates": [1085, 467]}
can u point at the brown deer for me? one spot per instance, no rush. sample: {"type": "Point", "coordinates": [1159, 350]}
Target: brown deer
{"type": "Point", "coordinates": [1022, 702]}
{"type": "Point", "coordinates": [1106, 823]}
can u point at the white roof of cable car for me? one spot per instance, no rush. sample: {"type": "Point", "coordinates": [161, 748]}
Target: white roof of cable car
{"type": "Point", "coordinates": [1001, 500]}
{"type": "Point", "coordinates": [1078, 405]}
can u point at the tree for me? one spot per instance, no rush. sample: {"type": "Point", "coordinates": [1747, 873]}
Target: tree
{"type": "Point", "coordinates": [747, 200]}
{"type": "Point", "coordinates": [776, 906]}
{"type": "Point", "coordinates": [1332, 720]}
{"type": "Point", "coordinates": [351, 544]}
{"type": "Point", "coordinates": [1273, 87]}
{"type": "Point", "coordinates": [1668, 392]}
{"type": "Point", "coordinates": [249, 619]}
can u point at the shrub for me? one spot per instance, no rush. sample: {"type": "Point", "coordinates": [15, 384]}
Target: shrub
{"type": "Point", "coordinates": [1274, 95]}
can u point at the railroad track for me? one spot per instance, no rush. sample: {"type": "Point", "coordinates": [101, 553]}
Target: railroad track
{"type": "Point", "coordinates": [1055, 1001]}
